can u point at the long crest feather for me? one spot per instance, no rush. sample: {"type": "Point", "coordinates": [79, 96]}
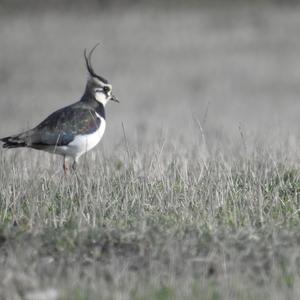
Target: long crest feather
{"type": "Point", "coordinates": [89, 67]}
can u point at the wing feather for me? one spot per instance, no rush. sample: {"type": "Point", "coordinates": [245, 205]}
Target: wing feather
{"type": "Point", "coordinates": [61, 127]}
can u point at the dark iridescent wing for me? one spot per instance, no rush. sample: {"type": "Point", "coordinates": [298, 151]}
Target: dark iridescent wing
{"type": "Point", "coordinates": [61, 127]}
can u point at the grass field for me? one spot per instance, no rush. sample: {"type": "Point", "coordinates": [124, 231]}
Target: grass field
{"type": "Point", "coordinates": [194, 192]}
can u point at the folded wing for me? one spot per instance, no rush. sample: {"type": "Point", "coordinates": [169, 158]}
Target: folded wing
{"type": "Point", "coordinates": [59, 129]}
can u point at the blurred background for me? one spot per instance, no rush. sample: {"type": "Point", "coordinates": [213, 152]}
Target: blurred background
{"type": "Point", "coordinates": [231, 68]}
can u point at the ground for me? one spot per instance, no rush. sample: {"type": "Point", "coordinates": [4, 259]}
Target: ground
{"type": "Point", "coordinates": [194, 190]}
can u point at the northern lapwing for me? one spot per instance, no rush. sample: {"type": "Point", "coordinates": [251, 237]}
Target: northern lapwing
{"type": "Point", "coordinates": [74, 129]}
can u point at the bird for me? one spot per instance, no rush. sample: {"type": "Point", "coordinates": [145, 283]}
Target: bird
{"type": "Point", "coordinates": [72, 130]}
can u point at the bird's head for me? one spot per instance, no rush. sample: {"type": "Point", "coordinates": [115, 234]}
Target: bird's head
{"type": "Point", "coordinates": [97, 86]}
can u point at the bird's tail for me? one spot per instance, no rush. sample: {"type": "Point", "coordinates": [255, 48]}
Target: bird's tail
{"type": "Point", "coordinates": [15, 141]}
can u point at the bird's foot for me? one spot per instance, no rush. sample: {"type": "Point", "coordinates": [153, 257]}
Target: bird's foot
{"type": "Point", "coordinates": [74, 165]}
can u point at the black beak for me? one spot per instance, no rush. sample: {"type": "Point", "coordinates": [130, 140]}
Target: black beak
{"type": "Point", "coordinates": [113, 98]}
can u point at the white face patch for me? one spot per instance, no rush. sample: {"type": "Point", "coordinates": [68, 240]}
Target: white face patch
{"type": "Point", "coordinates": [102, 96]}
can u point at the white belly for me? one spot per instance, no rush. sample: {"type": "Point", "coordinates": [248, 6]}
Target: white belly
{"type": "Point", "coordinates": [83, 143]}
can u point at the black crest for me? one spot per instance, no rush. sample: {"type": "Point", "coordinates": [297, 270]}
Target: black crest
{"type": "Point", "coordinates": [88, 62]}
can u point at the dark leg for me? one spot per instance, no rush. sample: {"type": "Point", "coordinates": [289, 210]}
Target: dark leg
{"type": "Point", "coordinates": [74, 165]}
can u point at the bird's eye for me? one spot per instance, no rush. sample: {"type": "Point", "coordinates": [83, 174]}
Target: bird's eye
{"type": "Point", "coordinates": [106, 89]}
